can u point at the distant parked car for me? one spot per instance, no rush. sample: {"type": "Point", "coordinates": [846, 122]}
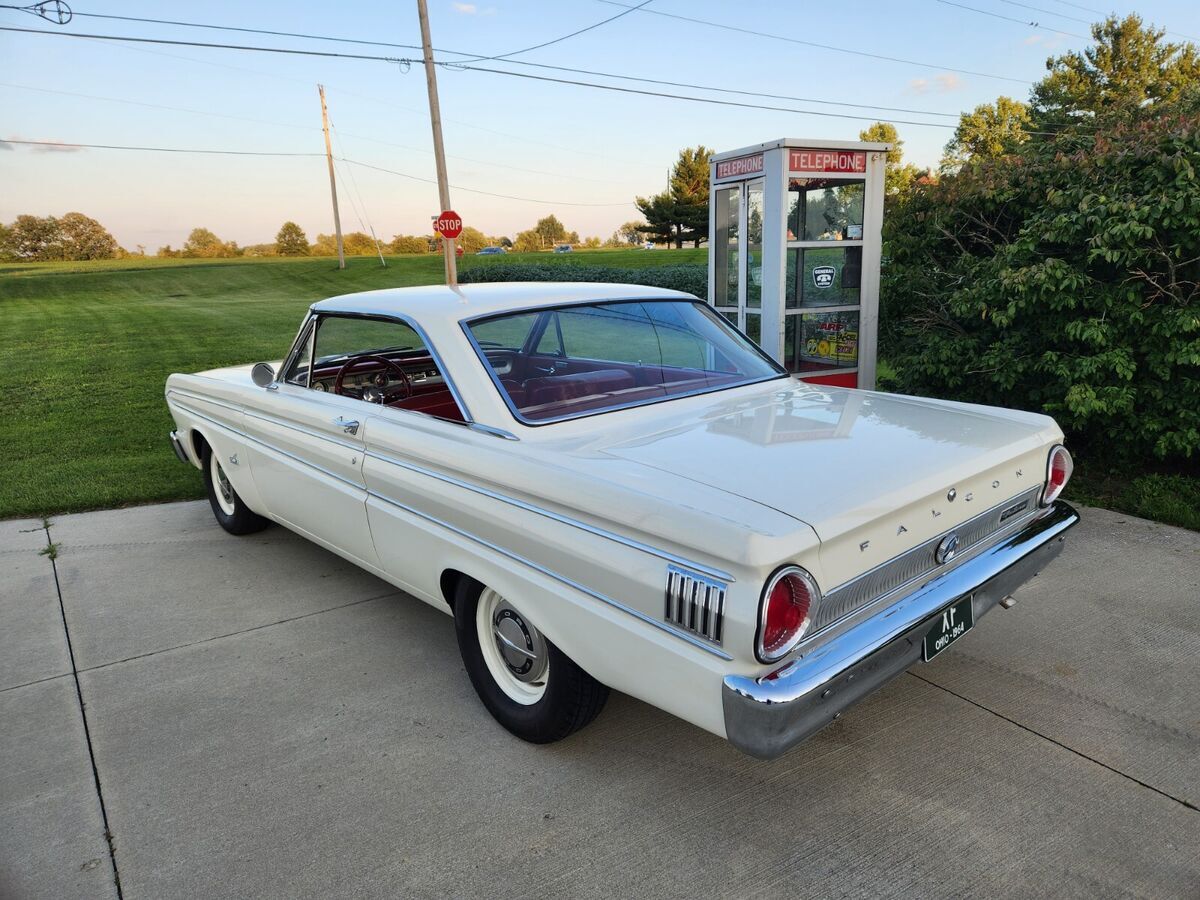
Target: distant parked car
{"type": "Point", "coordinates": [649, 245]}
{"type": "Point", "coordinates": [563, 248]}
{"type": "Point", "coordinates": [490, 251]}
{"type": "Point", "coordinates": [608, 486]}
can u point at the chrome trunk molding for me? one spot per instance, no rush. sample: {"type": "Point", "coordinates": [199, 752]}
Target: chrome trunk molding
{"type": "Point", "coordinates": [919, 562]}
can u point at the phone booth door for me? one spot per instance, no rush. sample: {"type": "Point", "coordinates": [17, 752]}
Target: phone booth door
{"type": "Point", "coordinates": [738, 255]}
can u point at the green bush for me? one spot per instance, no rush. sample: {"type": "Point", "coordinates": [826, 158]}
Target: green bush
{"type": "Point", "coordinates": [689, 277]}
{"type": "Point", "coordinates": [1062, 278]}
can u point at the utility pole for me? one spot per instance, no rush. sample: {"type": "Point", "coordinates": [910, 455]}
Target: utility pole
{"type": "Point", "coordinates": [439, 153]}
{"type": "Point", "coordinates": [337, 217]}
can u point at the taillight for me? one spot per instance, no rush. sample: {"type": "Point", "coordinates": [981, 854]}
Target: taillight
{"type": "Point", "coordinates": [785, 612]}
{"type": "Point", "coordinates": [1058, 472]}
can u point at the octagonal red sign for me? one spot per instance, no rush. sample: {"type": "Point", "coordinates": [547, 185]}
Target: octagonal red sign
{"type": "Point", "coordinates": [449, 224]}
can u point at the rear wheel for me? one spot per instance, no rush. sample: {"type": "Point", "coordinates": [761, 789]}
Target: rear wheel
{"type": "Point", "coordinates": [528, 685]}
{"type": "Point", "coordinates": [231, 512]}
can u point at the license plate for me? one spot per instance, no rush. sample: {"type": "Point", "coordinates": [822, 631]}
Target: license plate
{"type": "Point", "coordinates": [954, 622]}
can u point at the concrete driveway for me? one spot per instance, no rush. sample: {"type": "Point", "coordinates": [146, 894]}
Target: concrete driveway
{"type": "Point", "coordinates": [189, 714]}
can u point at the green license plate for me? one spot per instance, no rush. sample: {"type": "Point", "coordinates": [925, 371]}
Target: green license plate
{"type": "Point", "coordinates": [953, 623]}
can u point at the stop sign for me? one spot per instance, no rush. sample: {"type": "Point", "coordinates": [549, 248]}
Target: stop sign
{"type": "Point", "coordinates": [449, 224]}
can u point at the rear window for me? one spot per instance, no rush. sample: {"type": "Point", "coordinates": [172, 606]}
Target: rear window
{"type": "Point", "coordinates": [581, 360]}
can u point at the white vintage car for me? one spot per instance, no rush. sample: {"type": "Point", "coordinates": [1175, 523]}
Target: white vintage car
{"type": "Point", "coordinates": [607, 486]}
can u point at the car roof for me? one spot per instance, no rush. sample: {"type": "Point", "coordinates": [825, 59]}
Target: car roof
{"type": "Point", "coordinates": [470, 300]}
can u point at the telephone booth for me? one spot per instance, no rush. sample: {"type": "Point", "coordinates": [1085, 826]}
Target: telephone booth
{"type": "Point", "coordinates": [795, 231]}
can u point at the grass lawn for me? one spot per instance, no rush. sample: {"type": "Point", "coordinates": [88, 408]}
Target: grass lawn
{"type": "Point", "coordinates": [85, 349]}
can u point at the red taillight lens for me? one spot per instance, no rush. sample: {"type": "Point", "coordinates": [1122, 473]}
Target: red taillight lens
{"type": "Point", "coordinates": [785, 613]}
{"type": "Point", "coordinates": [1058, 472]}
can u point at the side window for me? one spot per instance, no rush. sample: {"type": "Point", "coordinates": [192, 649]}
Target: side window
{"type": "Point", "coordinates": [508, 333]}
{"type": "Point", "coordinates": [297, 373]}
{"type": "Point", "coordinates": [380, 361]}
{"type": "Point", "coordinates": [621, 332]}
{"type": "Point", "coordinates": [551, 342]}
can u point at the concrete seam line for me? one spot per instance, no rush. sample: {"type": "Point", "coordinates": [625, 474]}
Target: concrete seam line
{"type": "Point", "coordinates": [87, 732]}
{"type": "Point", "coordinates": [17, 687]}
{"type": "Point", "coordinates": [219, 637]}
{"type": "Point", "coordinates": [1057, 743]}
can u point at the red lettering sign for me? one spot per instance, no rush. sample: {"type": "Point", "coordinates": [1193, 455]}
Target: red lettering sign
{"type": "Point", "coordinates": [741, 165]}
{"type": "Point", "coordinates": [827, 161]}
{"type": "Point", "coordinates": [449, 224]}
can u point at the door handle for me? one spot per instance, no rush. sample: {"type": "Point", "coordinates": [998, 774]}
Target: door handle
{"type": "Point", "coordinates": [350, 427]}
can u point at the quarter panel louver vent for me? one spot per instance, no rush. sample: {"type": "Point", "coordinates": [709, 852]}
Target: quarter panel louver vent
{"type": "Point", "coordinates": [695, 603]}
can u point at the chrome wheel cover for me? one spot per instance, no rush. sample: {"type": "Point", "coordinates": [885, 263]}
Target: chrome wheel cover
{"type": "Point", "coordinates": [516, 654]}
{"type": "Point", "coordinates": [224, 490]}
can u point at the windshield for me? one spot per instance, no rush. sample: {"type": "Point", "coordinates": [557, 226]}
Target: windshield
{"type": "Point", "coordinates": [561, 363]}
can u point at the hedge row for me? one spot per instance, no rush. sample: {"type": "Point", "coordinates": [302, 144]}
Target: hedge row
{"type": "Point", "coordinates": [691, 277]}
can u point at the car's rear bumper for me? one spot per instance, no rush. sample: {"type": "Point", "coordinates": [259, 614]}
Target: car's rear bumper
{"type": "Point", "coordinates": [766, 716]}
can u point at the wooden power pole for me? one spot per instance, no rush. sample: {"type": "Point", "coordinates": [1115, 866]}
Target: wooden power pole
{"type": "Point", "coordinates": [439, 153]}
{"type": "Point", "coordinates": [337, 217]}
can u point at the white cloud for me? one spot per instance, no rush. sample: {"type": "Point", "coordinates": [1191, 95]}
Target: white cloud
{"type": "Point", "coordinates": [467, 9]}
{"type": "Point", "coordinates": [918, 85]}
{"type": "Point", "coordinates": [948, 81]}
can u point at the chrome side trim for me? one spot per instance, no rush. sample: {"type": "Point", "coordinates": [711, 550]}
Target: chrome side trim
{"type": "Point", "coordinates": [183, 393]}
{"type": "Point", "coordinates": [695, 603]}
{"type": "Point", "coordinates": [325, 436]}
{"type": "Point", "coordinates": [562, 579]}
{"type": "Point", "coordinates": [615, 604]}
{"type": "Point", "coordinates": [253, 440]}
{"type": "Point", "coordinates": [494, 432]}
{"type": "Point", "coordinates": [708, 571]}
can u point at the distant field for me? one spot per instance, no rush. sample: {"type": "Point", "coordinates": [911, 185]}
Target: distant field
{"type": "Point", "coordinates": [85, 349]}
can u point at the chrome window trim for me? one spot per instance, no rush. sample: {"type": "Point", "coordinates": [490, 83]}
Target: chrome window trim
{"type": "Point", "coordinates": [465, 325]}
{"type": "Point", "coordinates": [306, 326]}
{"type": "Point", "coordinates": [707, 571]}
{"type": "Point", "coordinates": [412, 323]}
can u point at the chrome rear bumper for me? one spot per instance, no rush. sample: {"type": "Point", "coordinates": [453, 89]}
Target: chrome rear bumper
{"type": "Point", "coordinates": [767, 716]}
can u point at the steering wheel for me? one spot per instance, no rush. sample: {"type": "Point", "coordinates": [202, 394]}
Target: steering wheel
{"type": "Point", "coordinates": [381, 394]}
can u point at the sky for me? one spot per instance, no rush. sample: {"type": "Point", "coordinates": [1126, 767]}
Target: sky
{"type": "Point", "coordinates": [578, 152]}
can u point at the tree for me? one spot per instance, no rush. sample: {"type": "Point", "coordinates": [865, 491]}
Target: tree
{"type": "Point", "coordinates": [82, 237]}
{"type": "Point", "coordinates": [354, 243]}
{"type": "Point", "coordinates": [689, 192]}
{"type": "Point", "coordinates": [989, 131]}
{"type": "Point", "coordinates": [472, 240]}
{"type": "Point", "coordinates": [898, 176]}
{"type": "Point", "coordinates": [203, 244]}
{"type": "Point", "coordinates": [631, 233]}
{"type": "Point", "coordinates": [1128, 72]}
{"type": "Point", "coordinates": [592, 243]}
{"type": "Point", "coordinates": [527, 241]}
{"type": "Point", "coordinates": [35, 238]}
{"type": "Point", "coordinates": [166, 252]}
{"type": "Point", "coordinates": [550, 230]}
{"type": "Point", "coordinates": [291, 240]}
{"type": "Point", "coordinates": [409, 243]}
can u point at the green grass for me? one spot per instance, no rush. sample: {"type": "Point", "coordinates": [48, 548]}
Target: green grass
{"type": "Point", "coordinates": [1171, 498]}
{"type": "Point", "coordinates": [85, 349]}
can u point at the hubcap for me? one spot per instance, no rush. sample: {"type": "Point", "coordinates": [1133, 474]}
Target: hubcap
{"type": "Point", "coordinates": [516, 654]}
{"type": "Point", "coordinates": [225, 495]}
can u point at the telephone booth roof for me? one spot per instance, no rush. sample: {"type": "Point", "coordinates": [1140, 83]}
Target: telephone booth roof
{"type": "Point", "coordinates": [802, 142]}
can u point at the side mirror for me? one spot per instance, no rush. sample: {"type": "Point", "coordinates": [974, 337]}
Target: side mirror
{"type": "Point", "coordinates": [262, 374]}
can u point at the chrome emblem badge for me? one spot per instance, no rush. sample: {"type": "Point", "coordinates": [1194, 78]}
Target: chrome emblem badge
{"type": "Point", "coordinates": [951, 494]}
{"type": "Point", "coordinates": [947, 549]}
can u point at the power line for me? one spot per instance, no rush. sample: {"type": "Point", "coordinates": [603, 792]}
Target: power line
{"type": "Point", "coordinates": [559, 40]}
{"type": "Point", "coordinates": [995, 15]}
{"type": "Point", "coordinates": [461, 66]}
{"type": "Point", "coordinates": [361, 137]}
{"type": "Point", "coordinates": [72, 145]}
{"type": "Point", "coordinates": [519, 62]}
{"type": "Point", "coordinates": [791, 40]}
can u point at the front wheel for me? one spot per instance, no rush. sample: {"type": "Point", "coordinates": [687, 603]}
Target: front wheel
{"type": "Point", "coordinates": [528, 685]}
{"type": "Point", "coordinates": [230, 510]}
